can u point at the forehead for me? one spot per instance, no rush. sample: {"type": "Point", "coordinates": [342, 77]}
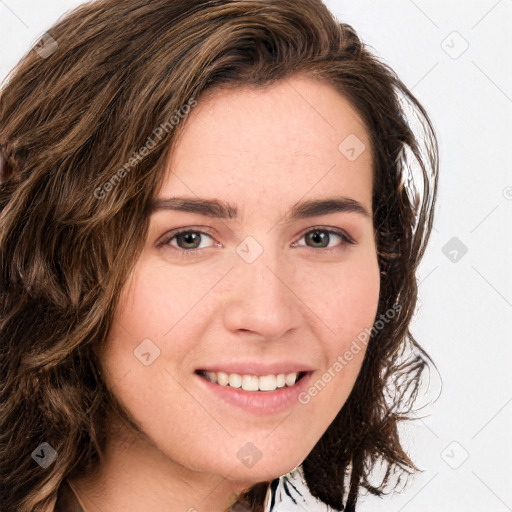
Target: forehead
{"type": "Point", "coordinates": [286, 140]}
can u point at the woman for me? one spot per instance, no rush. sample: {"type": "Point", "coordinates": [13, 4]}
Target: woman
{"type": "Point", "coordinates": [210, 228]}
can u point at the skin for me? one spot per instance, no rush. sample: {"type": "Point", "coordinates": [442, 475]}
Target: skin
{"type": "Point", "coordinates": [261, 150]}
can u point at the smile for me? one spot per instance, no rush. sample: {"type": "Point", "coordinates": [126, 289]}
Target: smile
{"type": "Point", "coordinates": [269, 382]}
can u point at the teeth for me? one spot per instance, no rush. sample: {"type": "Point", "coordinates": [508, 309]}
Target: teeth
{"type": "Point", "coordinates": [290, 379]}
{"type": "Point", "coordinates": [268, 383]}
{"type": "Point", "coordinates": [252, 382]}
{"type": "Point", "coordinates": [212, 377]}
{"type": "Point", "coordinates": [235, 380]}
{"type": "Point", "coordinates": [222, 378]}
{"type": "Point", "coordinates": [249, 383]}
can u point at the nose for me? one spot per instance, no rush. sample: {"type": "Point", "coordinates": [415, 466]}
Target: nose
{"type": "Point", "coordinates": [261, 298]}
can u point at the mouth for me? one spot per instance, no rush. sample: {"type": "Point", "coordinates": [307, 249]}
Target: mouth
{"type": "Point", "coordinates": [253, 383]}
{"type": "Point", "coordinates": [257, 389]}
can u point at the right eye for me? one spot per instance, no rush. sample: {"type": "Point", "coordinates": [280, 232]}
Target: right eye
{"type": "Point", "coordinates": [185, 241]}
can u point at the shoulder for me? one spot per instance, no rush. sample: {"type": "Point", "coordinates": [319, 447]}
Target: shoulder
{"type": "Point", "coordinates": [290, 493]}
{"type": "Point", "coordinates": [66, 500]}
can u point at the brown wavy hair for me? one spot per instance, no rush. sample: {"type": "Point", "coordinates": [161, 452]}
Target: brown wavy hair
{"type": "Point", "coordinates": [70, 120]}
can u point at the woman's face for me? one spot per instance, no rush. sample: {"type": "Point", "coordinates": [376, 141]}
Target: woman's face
{"type": "Point", "coordinates": [267, 281]}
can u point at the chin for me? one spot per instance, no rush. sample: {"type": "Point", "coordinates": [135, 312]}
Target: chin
{"type": "Point", "coordinates": [250, 465]}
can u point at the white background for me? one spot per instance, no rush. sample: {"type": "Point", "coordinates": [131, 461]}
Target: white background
{"type": "Point", "coordinates": [464, 444]}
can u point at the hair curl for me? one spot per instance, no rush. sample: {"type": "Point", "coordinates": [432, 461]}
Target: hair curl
{"type": "Point", "coordinates": [71, 120]}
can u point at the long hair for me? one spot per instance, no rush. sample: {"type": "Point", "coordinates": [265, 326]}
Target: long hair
{"type": "Point", "coordinates": [74, 211]}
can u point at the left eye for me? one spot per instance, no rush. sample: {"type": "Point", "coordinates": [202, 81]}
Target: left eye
{"type": "Point", "coordinates": [321, 236]}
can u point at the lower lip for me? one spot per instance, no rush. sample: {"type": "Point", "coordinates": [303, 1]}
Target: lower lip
{"type": "Point", "coordinates": [260, 402]}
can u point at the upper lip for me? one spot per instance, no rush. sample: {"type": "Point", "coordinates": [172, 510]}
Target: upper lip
{"type": "Point", "coordinates": [258, 369]}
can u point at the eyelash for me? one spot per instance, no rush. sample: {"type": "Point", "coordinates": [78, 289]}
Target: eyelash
{"type": "Point", "coordinates": [345, 240]}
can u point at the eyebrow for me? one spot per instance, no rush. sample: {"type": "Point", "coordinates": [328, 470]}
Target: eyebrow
{"type": "Point", "coordinates": [224, 210]}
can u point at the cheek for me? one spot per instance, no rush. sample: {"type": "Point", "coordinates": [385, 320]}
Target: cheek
{"type": "Point", "coordinates": [154, 300]}
{"type": "Point", "coordinates": [348, 309]}
{"type": "Point", "coordinates": [358, 299]}
{"type": "Point", "coordinates": [346, 298]}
